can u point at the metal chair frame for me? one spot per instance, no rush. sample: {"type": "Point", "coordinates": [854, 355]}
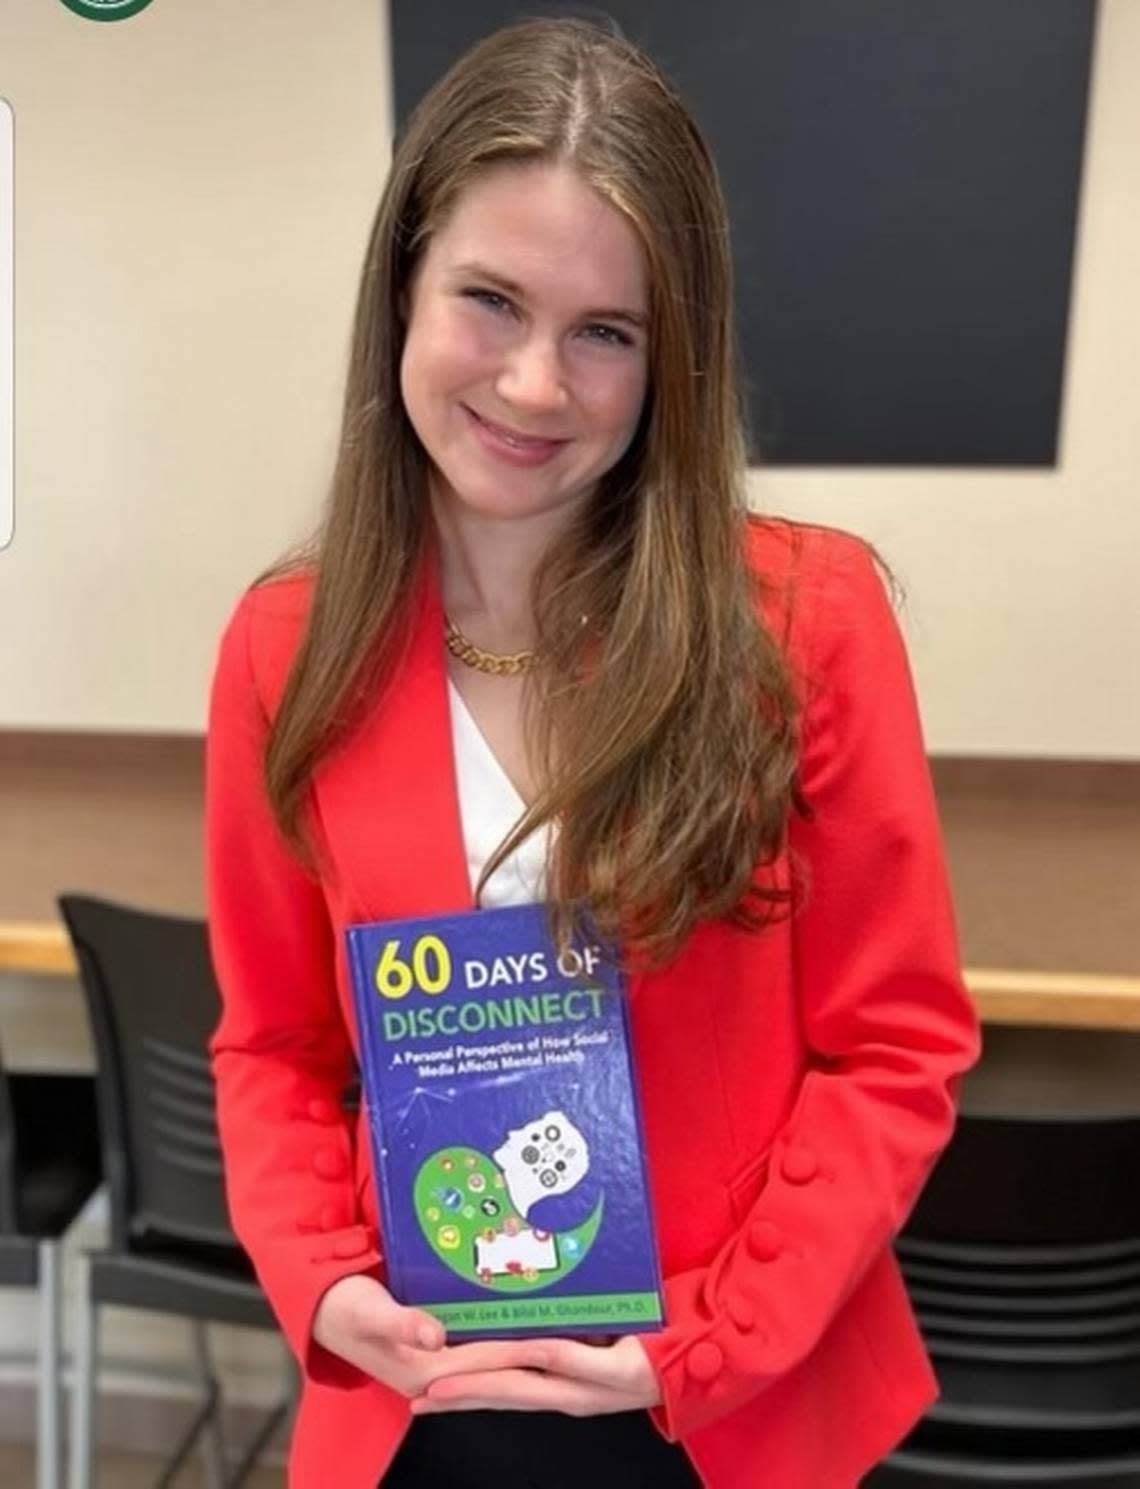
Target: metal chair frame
{"type": "Point", "coordinates": [66, 1154]}
{"type": "Point", "coordinates": [153, 1000]}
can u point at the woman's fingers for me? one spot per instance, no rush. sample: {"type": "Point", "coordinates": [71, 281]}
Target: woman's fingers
{"type": "Point", "coordinates": [557, 1375]}
{"type": "Point", "coordinates": [381, 1320]}
{"type": "Point", "coordinates": [610, 1366]}
{"type": "Point", "coordinates": [419, 1330]}
{"type": "Point", "coordinates": [615, 1366]}
{"type": "Point", "coordinates": [486, 1354]}
{"type": "Point", "coordinates": [516, 1390]}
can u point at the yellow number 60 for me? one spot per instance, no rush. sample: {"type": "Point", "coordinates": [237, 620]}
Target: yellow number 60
{"type": "Point", "coordinates": [430, 968]}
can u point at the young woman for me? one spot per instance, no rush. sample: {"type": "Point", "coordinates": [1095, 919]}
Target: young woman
{"type": "Point", "coordinates": [539, 653]}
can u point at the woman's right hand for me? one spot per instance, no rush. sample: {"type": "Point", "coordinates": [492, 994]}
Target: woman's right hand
{"type": "Point", "coordinates": [404, 1348]}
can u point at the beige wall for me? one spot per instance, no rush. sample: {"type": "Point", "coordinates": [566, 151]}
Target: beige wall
{"type": "Point", "coordinates": [193, 192]}
{"type": "Point", "coordinates": [7, 290]}
{"type": "Point", "coordinates": [193, 189]}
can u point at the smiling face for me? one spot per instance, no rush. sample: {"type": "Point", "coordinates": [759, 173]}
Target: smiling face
{"type": "Point", "coordinates": [524, 366]}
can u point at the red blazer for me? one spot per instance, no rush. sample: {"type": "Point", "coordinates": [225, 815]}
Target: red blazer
{"type": "Point", "coordinates": [796, 1085]}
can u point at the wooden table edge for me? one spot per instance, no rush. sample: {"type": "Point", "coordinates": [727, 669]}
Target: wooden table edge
{"type": "Point", "coordinates": [42, 948]}
{"type": "Point", "coordinates": [1084, 1000]}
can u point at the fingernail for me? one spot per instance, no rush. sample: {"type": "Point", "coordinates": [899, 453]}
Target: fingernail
{"type": "Point", "coordinates": [428, 1336]}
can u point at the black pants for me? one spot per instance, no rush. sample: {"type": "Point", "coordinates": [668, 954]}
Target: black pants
{"type": "Point", "coordinates": [537, 1450]}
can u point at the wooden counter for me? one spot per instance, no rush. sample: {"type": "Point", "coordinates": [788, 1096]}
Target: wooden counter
{"type": "Point", "coordinates": [1044, 857]}
{"type": "Point", "coordinates": [1070, 1000]}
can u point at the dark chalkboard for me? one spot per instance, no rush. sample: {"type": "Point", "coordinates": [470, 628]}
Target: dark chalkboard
{"type": "Point", "coordinates": [903, 179]}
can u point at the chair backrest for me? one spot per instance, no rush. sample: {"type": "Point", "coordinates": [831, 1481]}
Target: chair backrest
{"type": "Point", "coordinates": [153, 1002]}
{"type": "Point", "coordinates": [1022, 1259]}
{"type": "Point", "coordinates": [1035, 1182]}
{"type": "Point", "coordinates": [7, 1156]}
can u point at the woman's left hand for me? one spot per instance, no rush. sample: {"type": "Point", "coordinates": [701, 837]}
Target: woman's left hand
{"type": "Point", "coordinates": [582, 1380]}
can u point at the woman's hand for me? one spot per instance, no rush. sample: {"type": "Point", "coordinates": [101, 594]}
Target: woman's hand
{"type": "Point", "coordinates": [582, 1380]}
{"type": "Point", "coordinates": [359, 1320]}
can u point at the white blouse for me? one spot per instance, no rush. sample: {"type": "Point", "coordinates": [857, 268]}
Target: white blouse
{"type": "Point", "coordinates": [489, 806]}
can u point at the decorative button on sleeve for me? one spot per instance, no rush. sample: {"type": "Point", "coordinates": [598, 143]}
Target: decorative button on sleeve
{"type": "Point", "coordinates": [330, 1163]}
{"type": "Point", "coordinates": [333, 1216]}
{"type": "Point", "coordinates": [765, 1240]}
{"type": "Point", "coordinates": [741, 1311]}
{"type": "Point", "coordinates": [705, 1360]}
{"type": "Point", "coordinates": [320, 1109]}
{"type": "Point", "coordinates": [355, 1243]}
{"type": "Point", "coordinates": [799, 1164]}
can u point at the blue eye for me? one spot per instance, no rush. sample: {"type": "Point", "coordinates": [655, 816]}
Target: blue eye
{"type": "Point", "coordinates": [488, 298]}
{"type": "Point", "coordinates": [600, 333]}
{"type": "Point", "coordinates": [609, 336]}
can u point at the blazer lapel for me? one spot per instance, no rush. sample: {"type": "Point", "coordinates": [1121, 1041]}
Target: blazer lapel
{"type": "Point", "coordinates": [387, 797]}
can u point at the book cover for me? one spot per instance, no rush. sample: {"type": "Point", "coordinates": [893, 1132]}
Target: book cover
{"type": "Point", "coordinates": [506, 1133]}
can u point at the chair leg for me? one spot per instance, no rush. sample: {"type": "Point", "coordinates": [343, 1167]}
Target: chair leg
{"type": "Point", "coordinates": [213, 1443]}
{"type": "Point", "coordinates": [84, 1356]}
{"type": "Point", "coordinates": [47, 1394]}
{"type": "Point", "coordinates": [272, 1420]}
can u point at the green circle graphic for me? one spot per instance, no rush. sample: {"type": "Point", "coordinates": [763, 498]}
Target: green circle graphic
{"type": "Point", "coordinates": [106, 10]}
{"type": "Point", "coordinates": [460, 1197]}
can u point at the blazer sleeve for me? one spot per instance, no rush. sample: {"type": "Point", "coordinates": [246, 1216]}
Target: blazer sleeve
{"type": "Point", "coordinates": [281, 1054]}
{"type": "Point", "coordinates": [888, 1022]}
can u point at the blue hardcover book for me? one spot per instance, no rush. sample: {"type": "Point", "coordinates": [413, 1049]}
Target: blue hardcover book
{"type": "Point", "coordinates": [506, 1133]}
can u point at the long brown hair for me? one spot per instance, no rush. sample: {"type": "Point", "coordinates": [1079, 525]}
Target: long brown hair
{"type": "Point", "coordinates": [663, 732]}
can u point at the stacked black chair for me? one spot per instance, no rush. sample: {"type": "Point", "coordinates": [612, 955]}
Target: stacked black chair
{"type": "Point", "coordinates": [49, 1169]}
{"type": "Point", "coordinates": [153, 1001]}
{"type": "Point", "coordinates": [1022, 1260]}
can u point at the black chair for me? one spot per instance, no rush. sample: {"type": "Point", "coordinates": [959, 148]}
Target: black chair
{"type": "Point", "coordinates": [49, 1169]}
{"type": "Point", "coordinates": [910, 1469]}
{"type": "Point", "coordinates": [153, 1001]}
{"type": "Point", "coordinates": [1022, 1259]}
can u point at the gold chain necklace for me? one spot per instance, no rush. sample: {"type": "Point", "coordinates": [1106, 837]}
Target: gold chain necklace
{"type": "Point", "coordinates": [495, 663]}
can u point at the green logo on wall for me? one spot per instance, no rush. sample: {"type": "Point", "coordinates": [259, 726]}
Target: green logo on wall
{"type": "Point", "coordinates": [106, 10]}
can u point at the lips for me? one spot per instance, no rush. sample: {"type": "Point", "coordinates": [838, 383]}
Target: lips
{"type": "Point", "coordinates": [513, 438]}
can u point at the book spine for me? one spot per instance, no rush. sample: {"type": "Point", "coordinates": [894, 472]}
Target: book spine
{"type": "Point", "coordinates": [370, 1059]}
{"type": "Point", "coordinates": [622, 990]}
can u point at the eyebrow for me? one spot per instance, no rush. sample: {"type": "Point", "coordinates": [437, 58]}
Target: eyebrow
{"type": "Point", "coordinates": [509, 287]}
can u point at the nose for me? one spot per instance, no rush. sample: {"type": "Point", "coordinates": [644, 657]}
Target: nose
{"type": "Point", "coordinates": [531, 378]}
